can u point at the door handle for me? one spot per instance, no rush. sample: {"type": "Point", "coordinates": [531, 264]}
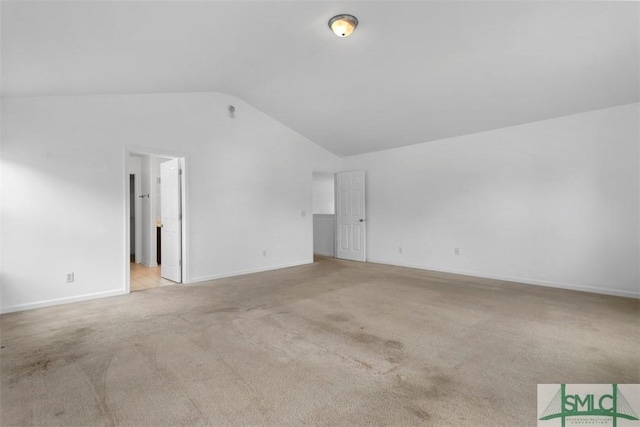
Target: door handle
{"type": "Point", "coordinates": [361, 220]}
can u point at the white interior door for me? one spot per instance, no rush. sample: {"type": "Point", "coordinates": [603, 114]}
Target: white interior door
{"type": "Point", "coordinates": [350, 216]}
{"type": "Point", "coordinates": [171, 214]}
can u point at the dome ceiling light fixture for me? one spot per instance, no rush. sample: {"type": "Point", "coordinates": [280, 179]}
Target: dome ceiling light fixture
{"type": "Point", "coordinates": [343, 25]}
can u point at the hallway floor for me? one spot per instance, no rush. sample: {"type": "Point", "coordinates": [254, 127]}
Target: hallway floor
{"type": "Point", "coordinates": [143, 277]}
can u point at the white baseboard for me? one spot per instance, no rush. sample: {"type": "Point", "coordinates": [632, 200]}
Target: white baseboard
{"type": "Point", "coordinates": [526, 281]}
{"type": "Point", "coordinates": [249, 271]}
{"type": "Point", "coordinates": [86, 297]}
{"type": "Point", "coordinates": [60, 301]}
{"type": "Point", "coordinates": [331, 254]}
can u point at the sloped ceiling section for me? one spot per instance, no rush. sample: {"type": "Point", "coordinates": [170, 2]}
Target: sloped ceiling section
{"type": "Point", "coordinates": [411, 72]}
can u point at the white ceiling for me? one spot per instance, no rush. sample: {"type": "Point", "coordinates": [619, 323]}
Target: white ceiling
{"type": "Point", "coordinates": [411, 72]}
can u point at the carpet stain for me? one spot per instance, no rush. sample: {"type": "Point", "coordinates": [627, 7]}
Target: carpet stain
{"type": "Point", "coordinates": [40, 365]}
{"type": "Point", "coordinates": [365, 364]}
{"type": "Point", "coordinates": [434, 388]}
{"type": "Point", "coordinates": [208, 310]}
{"type": "Point", "coordinates": [440, 384]}
{"type": "Point", "coordinates": [72, 338]}
{"type": "Point", "coordinates": [396, 345]}
{"type": "Point", "coordinates": [423, 415]}
{"type": "Point", "coordinates": [337, 317]}
{"type": "Point", "coordinates": [364, 338]}
{"type": "Point", "coordinates": [374, 353]}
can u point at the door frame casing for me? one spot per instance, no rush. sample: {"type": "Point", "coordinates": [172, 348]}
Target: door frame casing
{"type": "Point", "coordinates": [127, 152]}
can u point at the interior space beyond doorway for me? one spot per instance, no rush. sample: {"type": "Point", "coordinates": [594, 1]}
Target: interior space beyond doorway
{"type": "Point", "coordinates": [323, 209]}
{"type": "Point", "coordinates": [339, 218]}
{"type": "Point", "coordinates": [143, 277]}
{"type": "Point", "coordinates": [156, 220]}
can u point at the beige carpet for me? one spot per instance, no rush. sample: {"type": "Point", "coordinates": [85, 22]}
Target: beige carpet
{"type": "Point", "coordinates": [333, 343]}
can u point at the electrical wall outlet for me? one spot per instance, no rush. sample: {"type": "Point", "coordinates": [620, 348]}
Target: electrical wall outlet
{"type": "Point", "coordinates": [70, 277]}
{"type": "Point", "coordinates": [456, 251]}
{"type": "Point", "coordinates": [264, 253]}
{"type": "Point", "coordinates": [303, 213]}
{"type": "Point", "coordinates": [399, 249]}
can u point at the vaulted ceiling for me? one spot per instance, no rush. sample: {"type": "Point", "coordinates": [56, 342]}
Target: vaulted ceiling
{"type": "Point", "coordinates": [412, 71]}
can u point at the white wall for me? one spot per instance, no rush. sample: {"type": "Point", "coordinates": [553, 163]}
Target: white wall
{"type": "Point", "coordinates": [552, 202]}
{"type": "Point", "coordinates": [64, 185]}
{"type": "Point", "coordinates": [324, 232]}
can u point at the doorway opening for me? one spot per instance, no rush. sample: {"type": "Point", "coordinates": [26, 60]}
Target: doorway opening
{"type": "Point", "coordinates": [324, 218]}
{"type": "Point", "coordinates": [156, 220]}
{"type": "Point", "coordinates": [132, 217]}
{"type": "Point", "coordinates": [339, 221]}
